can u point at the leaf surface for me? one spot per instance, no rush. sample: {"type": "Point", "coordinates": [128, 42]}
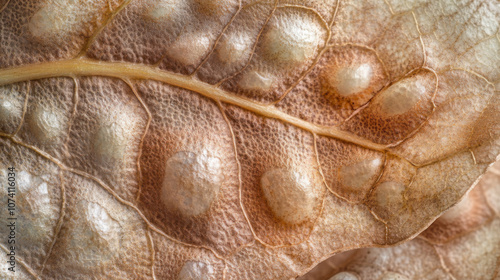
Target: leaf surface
{"type": "Point", "coordinates": [461, 244]}
{"type": "Point", "coordinates": [239, 140]}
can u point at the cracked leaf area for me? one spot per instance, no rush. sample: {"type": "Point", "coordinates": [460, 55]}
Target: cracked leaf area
{"type": "Point", "coordinates": [187, 139]}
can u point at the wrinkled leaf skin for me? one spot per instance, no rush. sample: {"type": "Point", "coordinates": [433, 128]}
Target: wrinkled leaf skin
{"type": "Point", "coordinates": [200, 139]}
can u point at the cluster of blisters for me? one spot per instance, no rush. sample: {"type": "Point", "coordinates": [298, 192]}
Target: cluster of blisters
{"type": "Point", "coordinates": [285, 49]}
{"type": "Point", "coordinates": [236, 45]}
{"type": "Point", "coordinates": [176, 35]}
{"type": "Point", "coordinates": [344, 136]}
{"type": "Point", "coordinates": [64, 218]}
{"type": "Point", "coordinates": [397, 111]}
{"type": "Point", "coordinates": [440, 139]}
{"type": "Point", "coordinates": [91, 124]}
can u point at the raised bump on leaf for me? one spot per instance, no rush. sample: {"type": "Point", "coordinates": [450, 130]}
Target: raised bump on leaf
{"type": "Point", "coordinates": [292, 39]}
{"type": "Point", "coordinates": [105, 135]}
{"type": "Point", "coordinates": [166, 10]}
{"type": "Point", "coordinates": [290, 195]}
{"type": "Point", "coordinates": [101, 224]}
{"type": "Point", "coordinates": [47, 118]}
{"type": "Point", "coordinates": [192, 270]}
{"type": "Point", "coordinates": [350, 75]}
{"type": "Point", "coordinates": [11, 108]}
{"type": "Point", "coordinates": [472, 125]}
{"type": "Point", "coordinates": [425, 35]}
{"type": "Point", "coordinates": [400, 97]}
{"type": "Point", "coordinates": [46, 124]}
{"type": "Point", "coordinates": [440, 252]}
{"type": "Point", "coordinates": [38, 200]}
{"type": "Point", "coordinates": [282, 171]}
{"type": "Point", "coordinates": [184, 123]}
{"type": "Point", "coordinates": [192, 182]}
{"type": "Point", "coordinates": [95, 235]}
{"type": "Point", "coordinates": [12, 101]}
{"type": "Point", "coordinates": [177, 261]}
{"type": "Point", "coordinates": [111, 140]}
{"type": "Point", "coordinates": [98, 232]}
{"type": "Point", "coordinates": [357, 175]}
{"type": "Point", "coordinates": [35, 196]}
{"type": "Point", "coordinates": [286, 47]}
{"type": "Point", "coordinates": [351, 80]}
{"type": "Point", "coordinates": [56, 20]}
{"type": "Point", "coordinates": [190, 49]}
{"type": "Point", "coordinates": [349, 170]}
{"type": "Point", "coordinates": [234, 47]}
{"type": "Point", "coordinates": [256, 80]}
{"type": "Point", "coordinates": [38, 211]}
{"type": "Point", "coordinates": [397, 111]}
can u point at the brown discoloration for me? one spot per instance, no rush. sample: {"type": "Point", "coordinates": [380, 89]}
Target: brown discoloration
{"type": "Point", "coordinates": [339, 59]}
{"type": "Point", "coordinates": [252, 139]}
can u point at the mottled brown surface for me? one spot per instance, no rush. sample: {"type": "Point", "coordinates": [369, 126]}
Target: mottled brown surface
{"type": "Point", "coordinates": [464, 245]}
{"type": "Point", "coordinates": [97, 96]}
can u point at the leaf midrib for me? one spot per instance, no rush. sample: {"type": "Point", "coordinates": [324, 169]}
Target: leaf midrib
{"type": "Point", "coordinates": [121, 70]}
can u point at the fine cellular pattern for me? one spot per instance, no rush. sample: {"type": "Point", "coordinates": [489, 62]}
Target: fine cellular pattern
{"type": "Point", "coordinates": [226, 139]}
{"type": "Point", "coordinates": [463, 243]}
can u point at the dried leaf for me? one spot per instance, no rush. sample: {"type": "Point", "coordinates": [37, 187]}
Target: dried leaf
{"type": "Point", "coordinates": [188, 139]}
{"type": "Point", "coordinates": [461, 244]}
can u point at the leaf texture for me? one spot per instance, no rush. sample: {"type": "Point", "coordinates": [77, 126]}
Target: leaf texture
{"type": "Point", "coordinates": [188, 139]}
{"type": "Point", "coordinates": [461, 244]}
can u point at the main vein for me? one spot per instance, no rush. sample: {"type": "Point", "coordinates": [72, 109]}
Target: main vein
{"type": "Point", "coordinates": [86, 67]}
